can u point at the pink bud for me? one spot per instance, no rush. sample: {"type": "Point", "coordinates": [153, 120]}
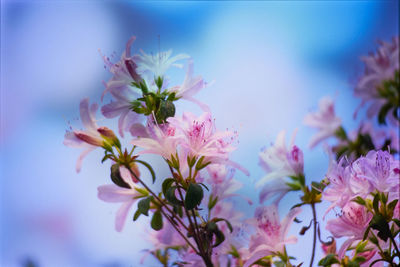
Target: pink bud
{"type": "Point", "coordinates": [90, 139]}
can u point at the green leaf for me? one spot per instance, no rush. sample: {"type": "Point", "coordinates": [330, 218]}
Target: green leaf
{"type": "Point", "coordinates": [294, 186]}
{"type": "Point", "coordinates": [341, 133]}
{"type": "Point", "coordinates": [156, 221]}
{"type": "Point", "coordinates": [159, 82]}
{"type": "Point", "coordinates": [212, 201]}
{"type": "Point", "coordinates": [170, 196]}
{"type": "Point", "coordinates": [219, 237]}
{"type": "Point", "coordinates": [383, 112]}
{"type": "Point", "coordinates": [116, 177]}
{"type": "Point", "coordinates": [359, 200]}
{"type": "Point", "coordinates": [375, 203]}
{"type": "Point", "coordinates": [144, 206]}
{"type": "Point", "coordinates": [136, 215]}
{"type": "Point", "coordinates": [167, 184]}
{"type": "Point", "coordinates": [328, 260]}
{"type": "Point", "coordinates": [392, 205]}
{"type": "Point", "coordinates": [379, 223]}
{"type": "Point", "coordinates": [361, 247]}
{"type": "Point", "coordinates": [148, 166]}
{"type": "Point", "coordinates": [165, 110]}
{"type": "Point", "coordinates": [194, 196]}
{"type": "Point", "coordinates": [226, 221]}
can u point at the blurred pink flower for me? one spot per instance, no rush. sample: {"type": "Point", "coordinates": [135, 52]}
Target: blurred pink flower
{"type": "Point", "coordinates": [352, 224]}
{"type": "Point", "coordinates": [279, 161]}
{"type": "Point", "coordinates": [271, 233]}
{"type": "Point", "coordinates": [382, 170]}
{"type": "Point", "coordinates": [121, 88]}
{"type": "Point", "coordinates": [115, 194]}
{"type": "Point", "coordinates": [190, 86]}
{"type": "Point", "coordinates": [88, 139]}
{"type": "Point", "coordinates": [222, 182]}
{"type": "Point", "coordinates": [325, 120]}
{"type": "Point", "coordinates": [379, 67]}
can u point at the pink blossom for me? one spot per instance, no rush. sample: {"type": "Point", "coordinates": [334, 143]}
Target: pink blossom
{"type": "Point", "coordinates": [325, 120]}
{"type": "Point", "coordinates": [160, 140]}
{"type": "Point", "coordinates": [115, 194]}
{"type": "Point", "coordinates": [88, 139]}
{"type": "Point", "coordinates": [222, 182]}
{"type": "Point", "coordinates": [191, 86]}
{"type": "Point", "coordinates": [379, 67]}
{"type": "Point", "coordinates": [198, 136]}
{"type": "Point", "coordinates": [382, 170]}
{"type": "Point", "coordinates": [271, 233]}
{"type": "Point", "coordinates": [121, 88]}
{"type": "Point", "coordinates": [352, 224]}
{"type": "Point", "coordinates": [279, 161]}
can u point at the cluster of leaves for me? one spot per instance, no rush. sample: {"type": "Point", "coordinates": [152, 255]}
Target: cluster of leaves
{"type": "Point", "coordinates": [359, 147]}
{"type": "Point", "coordinates": [390, 91]}
{"type": "Point", "coordinates": [159, 103]}
{"type": "Point", "coordinates": [354, 261]}
{"type": "Point", "coordinates": [190, 195]}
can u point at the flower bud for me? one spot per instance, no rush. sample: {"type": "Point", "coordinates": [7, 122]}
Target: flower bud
{"type": "Point", "coordinates": [329, 247]}
{"type": "Point", "coordinates": [90, 139]}
{"type": "Point", "coordinates": [109, 135]}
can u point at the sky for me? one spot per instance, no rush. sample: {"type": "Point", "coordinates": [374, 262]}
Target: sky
{"type": "Point", "coordinates": [271, 61]}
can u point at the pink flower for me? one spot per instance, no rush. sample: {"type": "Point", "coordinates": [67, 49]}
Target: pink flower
{"type": "Point", "coordinates": [160, 140]}
{"type": "Point", "coordinates": [279, 161]}
{"type": "Point", "coordinates": [115, 194]}
{"type": "Point", "coordinates": [190, 86]}
{"type": "Point", "coordinates": [222, 182]}
{"type": "Point", "coordinates": [121, 88]}
{"type": "Point", "coordinates": [271, 233]}
{"type": "Point", "coordinates": [325, 120]}
{"type": "Point", "coordinates": [198, 136]}
{"type": "Point", "coordinates": [352, 224]}
{"type": "Point", "coordinates": [88, 139]}
{"type": "Point", "coordinates": [379, 67]}
{"type": "Point", "coordinates": [382, 170]}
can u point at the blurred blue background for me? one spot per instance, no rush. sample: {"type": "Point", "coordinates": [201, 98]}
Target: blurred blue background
{"type": "Point", "coordinates": [271, 61]}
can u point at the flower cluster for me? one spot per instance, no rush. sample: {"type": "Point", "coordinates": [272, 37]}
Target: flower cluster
{"type": "Point", "coordinates": [363, 190]}
{"type": "Point", "coordinates": [194, 219]}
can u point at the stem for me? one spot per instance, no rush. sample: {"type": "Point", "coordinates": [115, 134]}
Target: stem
{"type": "Point", "coordinates": [395, 245]}
{"type": "Point", "coordinates": [195, 228]}
{"type": "Point", "coordinates": [158, 199]}
{"type": "Point", "coordinates": [163, 212]}
{"type": "Point", "coordinates": [315, 233]}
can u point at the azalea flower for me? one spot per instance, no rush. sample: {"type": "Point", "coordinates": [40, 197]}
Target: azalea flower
{"type": "Point", "coordinates": [156, 65]}
{"type": "Point", "coordinates": [115, 194]}
{"type": "Point", "coordinates": [198, 136]}
{"type": "Point", "coordinates": [271, 233]}
{"type": "Point", "coordinates": [190, 86]}
{"type": "Point", "coordinates": [88, 139]}
{"type": "Point", "coordinates": [352, 224]}
{"type": "Point", "coordinates": [325, 120]}
{"type": "Point", "coordinates": [382, 170]}
{"type": "Point", "coordinates": [160, 140]}
{"type": "Point", "coordinates": [121, 88]}
{"type": "Point", "coordinates": [279, 161]}
{"type": "Point", "coordinates": [222, 182]}
{"type": "Point", "coordinates": [379, 67]}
